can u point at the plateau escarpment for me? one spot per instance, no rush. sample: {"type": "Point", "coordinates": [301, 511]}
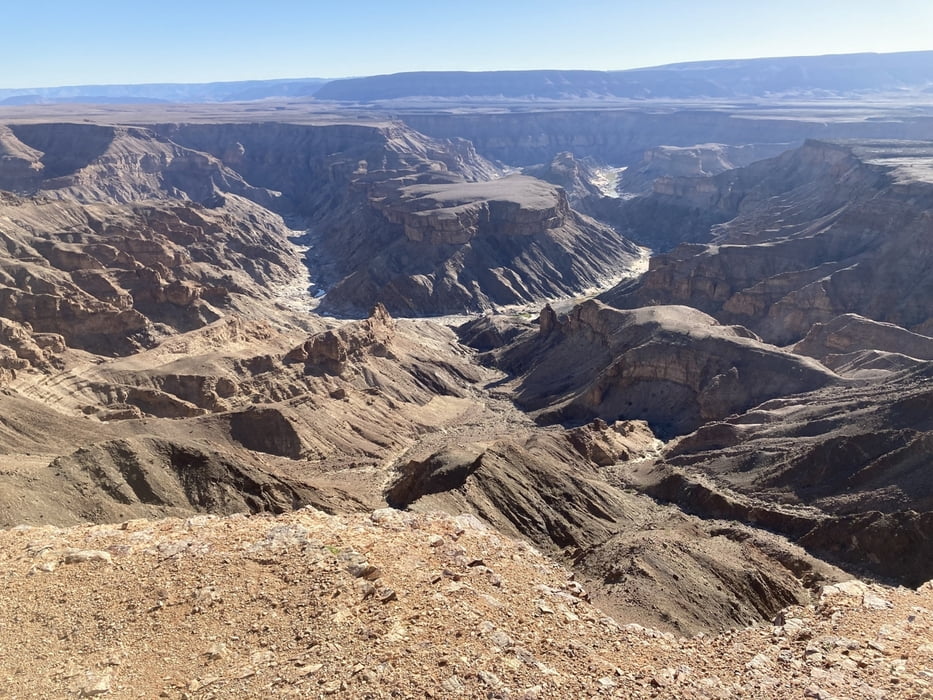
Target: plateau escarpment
{"type": "Point", "coordinates": [825, 230]}
{"type": "Point", "coordinates": [670, 365]}
{"type": "Point", "coordinates": [419, 225]}
{"type": "Point", "coordinates": [476, 246]}
{"type": "Point", "coordinates": [788, 77]}
{"type": "Point", "coordinates": [844, 470]}
{"type": "Point", "coordinates": [620, 136]}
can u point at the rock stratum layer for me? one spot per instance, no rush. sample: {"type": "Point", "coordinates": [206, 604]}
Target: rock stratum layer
{"type": "Point", "coordinates": [394, 215]}
{"type": "Point", "coordinates": [671, 365]}
{"type": "Point", "coordinates": [825, 230]}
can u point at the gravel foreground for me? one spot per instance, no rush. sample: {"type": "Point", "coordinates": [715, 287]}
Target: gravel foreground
{"type": "Point", "coordinates": [399, 605]}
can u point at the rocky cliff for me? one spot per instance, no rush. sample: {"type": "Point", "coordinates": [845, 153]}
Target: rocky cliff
{"type": "Point", "coordinates": [702, 160]}
{"type": "Point", "coordinates": [477, 246]}
{"type": "Point", "coordinates": [840, 469]}
{"type": "Point", "coordinates": [825, 230]}
{"type": "Point", "coordinates": [621, 136]}
{"type": "Point", "coordinates": [395, 217]}
{"type": "Point", "coordinates": [111, 278]}
{"type": "Point", "coordinates": [672, 366]}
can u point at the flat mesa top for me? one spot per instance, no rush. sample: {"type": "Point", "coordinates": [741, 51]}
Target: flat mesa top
{"type": "Point", "coordinates": [908, 161]}
{"type": "Point", "coordinates": [529, 192]}
{"type": "Point", "coordinates": [305, 110]}
{"type": "Point", "coordinates": [294, 112]}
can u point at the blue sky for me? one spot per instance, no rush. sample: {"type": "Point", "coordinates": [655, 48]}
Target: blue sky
{"type": "Point", "coordinates": [47, 43]}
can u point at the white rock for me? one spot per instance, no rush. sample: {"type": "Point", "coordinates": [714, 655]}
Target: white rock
{"type": "Point", "coordinates": [759, 663]}
{"type": "Point", "coordinates": [875, 602]}
{"type": "Point", "coordinates": [854, 588]}
{"type": "Point", "coordinates": [79, 556]}
{"type": "Point", "coordinates": [96, 685]}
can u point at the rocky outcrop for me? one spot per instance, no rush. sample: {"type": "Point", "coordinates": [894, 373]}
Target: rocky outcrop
{"type": "Point", "coordinates": [520, 256]}
{"type": "Point", "coordinates": [840, 469]}
{"type": "Point", "coordinates": [453, 214]}
{"type": "Point", "coordinates": [672, 366]}
{"type": "Point", "coordinates": [20, 165]}
{"type": "Point", "coordinates": [332, 351]}
{"type": "Point", "coordinates": [107, 277]}
{"type": "Point", "coordinates": [575, 176]}
{"type": "Point", "coordinates": [491, 331]}
{"type": "Point", "coordinates": [605, 445]}
{"type": "Point", "coordinates": [520, 486]}
{"type": "Point", "coordinates": [658, 166]}
{"type": "Point", "coordinates": [21, 348]}
{"type": "Point", "coordinates": [825, 230]}
{"type": "Point", "coordinates": [313, 165]}
{"type": "Point", "coordinates": [848, 334]}
{"type": "Point", "coordinates": [547, 488]}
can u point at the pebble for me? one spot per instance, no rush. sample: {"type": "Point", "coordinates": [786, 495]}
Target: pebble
{"type": "Point", "coordinates": [489, 678]}
{"type": "Point", "coordinates": [218, 650]}
{"type": "Point", "coordinates": [385, 594]}
{"type": "Point", "coordinates": [363, 570]}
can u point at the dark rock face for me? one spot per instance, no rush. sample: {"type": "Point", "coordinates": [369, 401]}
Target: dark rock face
{"type": "Point", "coordinates": [154, 477]}
{"type": "Point", "coordinates": [672, 366]}
{"type": "Point", "coordinates": [844, 470]}
{"type": "Point", "coordinates": [520, 485]}
{"type": "Point", "coordinates": [548, 488]}
{"type": "Point", "coordinates": [419, 225]}
{"type": "Point", "coordinates": [266, 430]}
{"type": "Point", "coordinates": [518, 261]}
{"type": "Point", "coordinates": [825, 230]}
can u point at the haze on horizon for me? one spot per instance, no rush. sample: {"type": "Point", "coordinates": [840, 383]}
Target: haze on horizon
{"type": "Point", "coordinates": [108, 42]}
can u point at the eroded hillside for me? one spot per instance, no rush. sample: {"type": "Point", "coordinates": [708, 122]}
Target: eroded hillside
{"type": "Point", "coordinates": [708, 443]}
{"type": "Point", "coordinates": [396, 604]}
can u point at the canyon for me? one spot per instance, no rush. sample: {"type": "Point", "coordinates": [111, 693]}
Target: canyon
{"type": "Point", "coordinates": [667, 365]}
